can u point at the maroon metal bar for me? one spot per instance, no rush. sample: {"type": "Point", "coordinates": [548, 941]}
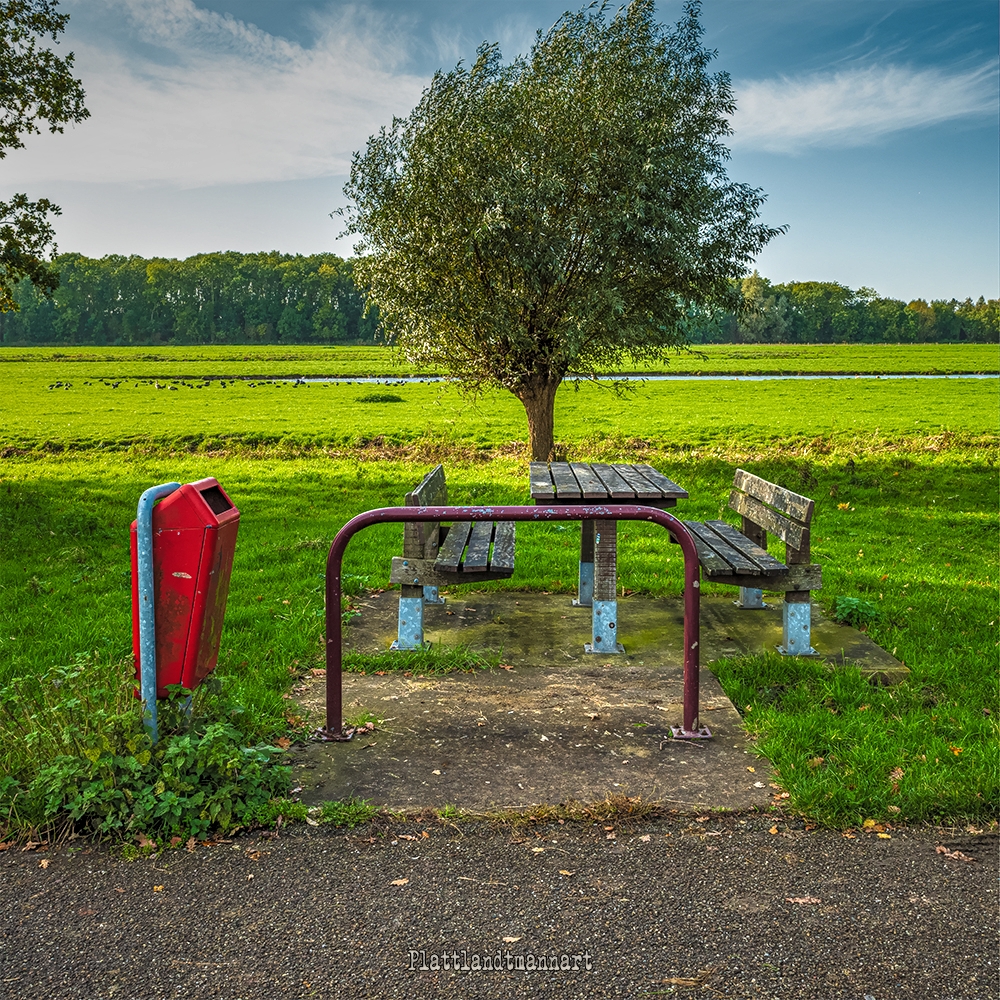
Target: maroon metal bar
{"type": "Point", "coordinates": [334, 729]}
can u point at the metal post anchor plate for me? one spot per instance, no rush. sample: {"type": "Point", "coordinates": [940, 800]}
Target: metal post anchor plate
{"type": "Point", "coordinates": [410, 634]}
{"type": "Point", "coordinates": [431, 596]}
{"type": "Point", "coordinates": [701, 733]}
{"type": "Point", "coordinates": [605, 629]}
{"type": "Point", "coordinates": [586, 598]}
{"type": "Point", "coordinates": [324, 735]}
{"type": "Point", "coordinates": [751, 598]}
{"type": "Point", "coordinates": [796, 621]}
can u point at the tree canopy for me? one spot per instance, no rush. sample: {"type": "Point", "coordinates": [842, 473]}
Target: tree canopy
{"type": "Point", "coordinates": [35, 86]}
{"type": "Point", "coordinates": [558, 214]}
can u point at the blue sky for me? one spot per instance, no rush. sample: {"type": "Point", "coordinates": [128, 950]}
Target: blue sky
{"type": "Point", "coordinates": [229, 124]}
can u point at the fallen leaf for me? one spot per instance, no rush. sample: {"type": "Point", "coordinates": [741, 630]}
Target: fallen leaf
{"type": "Point", "coordinates": [157, 888]}
{"type": "Point", "coordinates": [406, 836]}
{"type": "Point", "coordinates": [399, 881]}
{"type": "Point", "coordinates": [954, 855]}
{"type": "Point", "coordinates": [425, 835]}
{"type": "Point", "coordinates": [869, 824]}
{"type": "Point", "coordinates": [645, 838]}
{"type": "Point", "coordinates": [174, 841]}
{"type": "Point", "coordinates": [506, 666]}
{"type": "Point", "coordinates": [702, 819]}
{"type": "Point", "coordinates": [435, 771]}
{"type": "Point", "coordinates": [752, 770]}
{"type": "Point", "coordinates": [884, 836]}
{"type": "Point", "coordinates": [802, 900]}
{"type": "Point", "coordinates": [511, 940]}
{"type": "Point", "coordinates": [6, 845]}
{"type": "Point", "coordinates": [955, 750]}
{"type": "Point", "coordinates": [562, 871]}
{"type": "Point", "coordinates": [544, 739]}
{"type": "Point", "coordinates": [773, 829]}
{"type": "Point", "coordinates": [145, 841]}
{"type": "Point", "coordinates": [537, 850]}
{"type": "Point", "coordinates": [44, 863]}
{"type": "Point", "coordinates": [814, 762]}
{"type": "Point", "coordinates": [283, 741]}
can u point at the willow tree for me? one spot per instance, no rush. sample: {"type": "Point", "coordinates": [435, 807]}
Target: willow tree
{"type": "Point", "coordinates": [557, 215]}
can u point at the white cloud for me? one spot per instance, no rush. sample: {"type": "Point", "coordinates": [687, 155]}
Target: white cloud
{"type": "Point", "coordinates": [188, 97]}
{"type": "Point", "coordinates": [855, 107]}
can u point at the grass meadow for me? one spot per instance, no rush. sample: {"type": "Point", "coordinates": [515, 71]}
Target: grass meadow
{"type": "Point", "coordinates": [903, 473]}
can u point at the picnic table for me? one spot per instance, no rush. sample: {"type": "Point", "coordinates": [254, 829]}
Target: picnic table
{"type": "Point", "coordinates": [567, 483]}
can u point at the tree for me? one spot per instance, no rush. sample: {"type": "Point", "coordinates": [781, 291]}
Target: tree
{"type": "Point", "coordinates": [558, 214]}
{"type": "Point", "coordinates": [35, 86]}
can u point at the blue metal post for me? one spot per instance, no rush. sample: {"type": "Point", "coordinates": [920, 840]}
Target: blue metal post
{"type": "Point", "coordinates": [147, 609]}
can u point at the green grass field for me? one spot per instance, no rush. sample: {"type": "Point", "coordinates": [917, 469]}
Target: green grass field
{"type": "Point", "coordinates": [904, 475]}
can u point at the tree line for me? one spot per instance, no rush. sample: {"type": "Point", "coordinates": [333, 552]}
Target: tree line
{"type": "Point", "coordinates": [212, 298]}
{"type": "Point", "coordinates": [272, 298]}
{"type": "Point", "coordinates": [825, 312]}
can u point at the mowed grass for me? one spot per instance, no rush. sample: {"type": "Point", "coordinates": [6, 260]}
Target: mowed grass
{"type": "Point", "coordinates": [194, 361]}
{"type": "Point", "coordinates": [219, 415]}
{"type": "Point", "coordinates": [916, 537]}
{"type": "Point", "coordinates": [904, 477]}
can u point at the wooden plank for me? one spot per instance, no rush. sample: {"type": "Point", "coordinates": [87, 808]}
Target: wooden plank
{"type": "Point", "coordinates": [427, 574]}
{"type": "Point", "coordinates": [431, 491]}
{"type": "Point", "coordinates": [787, 530]}
{"type": "Point", "coordinates": [590, 483]}
{"type": "Point", "coordinates": [668, 488]}
{"type": "Point", "coordinates": [800, 578]}
{"type": "Point", "coordinates": [477, 555]}
{"type": "Point", "coordinates": [796, 506]}
{"type": "Point", "coordinates": [617, 488]}
{"type": "Point", "coordinates": [605, 560]}
{"type": "Point", "coordinates": [503, 548]}
{"type": "Point", "coordinates": [567, 488]}
{"type": "Point", "coordinates": [450, 554]}
{"type": "Point", "coordinates": [736, 562]}
{"type": "Point", "coordinates": [754, 552]}
{"type": "Point", "coordinates": [642, 487]}
{"type": "Point", "coordinates": [710, 562]}
{"type": "Point", "coordinates": [542, 488]}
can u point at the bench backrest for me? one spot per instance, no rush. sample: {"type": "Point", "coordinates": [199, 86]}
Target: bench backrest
{"type": "Point", "coordinates": [420, 539]}
{"type": "Point", "coordinates": [767, 507]}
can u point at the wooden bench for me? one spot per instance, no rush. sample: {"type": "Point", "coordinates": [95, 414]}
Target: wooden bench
{"type": "Point", "coordinates": [741, 558]}
{"type": "Point", "coordinates": [437, 555]}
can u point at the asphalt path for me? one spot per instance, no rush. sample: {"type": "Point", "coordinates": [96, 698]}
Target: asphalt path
{"type": "Point", "coordinates": [721, 907]}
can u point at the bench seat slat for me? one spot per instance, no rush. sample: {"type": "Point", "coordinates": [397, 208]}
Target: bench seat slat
{"type": "Point", "coordinates": [710, 562]}
{"type": "Point", "coordinates": [733, 562]}
{"type": "Point", "coordinates": [740, 542]}
{"type": "Point", "coordinates": [450, 553]}
{"type": "Point", "coordinates": [503, 548]}
{"type": "Point", "coordinates": [477, 555]}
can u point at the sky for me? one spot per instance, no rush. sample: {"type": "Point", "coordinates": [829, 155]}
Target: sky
{"type": "Point", "coordinates": [872, 125]}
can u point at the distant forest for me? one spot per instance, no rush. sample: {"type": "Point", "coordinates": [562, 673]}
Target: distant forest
{"type": "Point", "coordinates": [272, 298]}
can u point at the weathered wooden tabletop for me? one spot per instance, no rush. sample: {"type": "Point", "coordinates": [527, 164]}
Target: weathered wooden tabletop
{"type": "Point", "coordinates": [586, 482]}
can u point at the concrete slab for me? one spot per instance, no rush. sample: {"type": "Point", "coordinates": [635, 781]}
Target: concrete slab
{"type": "Point", "coordinates": [558, 725]}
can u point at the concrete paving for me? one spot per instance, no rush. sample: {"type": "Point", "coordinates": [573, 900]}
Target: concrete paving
{"type": "Point", "coordinates": [555, 725]}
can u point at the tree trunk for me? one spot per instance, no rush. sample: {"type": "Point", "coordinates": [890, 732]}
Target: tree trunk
{"type": "Point", "coordinates": [539, 400]}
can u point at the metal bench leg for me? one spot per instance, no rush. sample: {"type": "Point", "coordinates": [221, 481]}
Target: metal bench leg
{"type": "Point", "coordinates": [410, 633]}
{"type": "Point", "coordinates": [751, 598]}
{"type": "Point", "coordinates": [604, 615]}
{"type": "Point", "coordinates": [431, 596]}
{"type": "Point", "coordinates": [586, 586]}
{"type": "Point", "coordinates": [796, 619]}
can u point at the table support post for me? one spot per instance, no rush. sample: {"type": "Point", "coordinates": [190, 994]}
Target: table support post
{"type": "Point", "coordinates": [585, 596]}
{"type": "Point", "coordinates": [604, 614]}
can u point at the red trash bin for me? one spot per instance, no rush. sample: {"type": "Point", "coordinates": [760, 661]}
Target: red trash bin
{"type": "Point", "coordinates": [194, 538]}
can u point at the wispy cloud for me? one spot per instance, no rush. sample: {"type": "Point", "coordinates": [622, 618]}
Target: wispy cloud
{"type": "Point", "coordinates": [185, 96]}
{"type": "Point", "coordinates": [856, 106]}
